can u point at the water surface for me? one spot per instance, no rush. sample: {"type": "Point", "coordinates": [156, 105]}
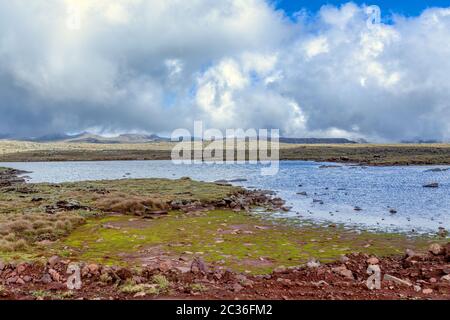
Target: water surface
{"type": "Point", "coordinates": [332, 193]}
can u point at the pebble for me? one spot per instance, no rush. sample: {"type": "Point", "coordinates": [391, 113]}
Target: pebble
{"type": "Point", "coordinates": [343, 271]}
{"type": "Point", "coordinates": [52, 261]}
{"type": "Point", "coordinates": [446, 278]}
{"type": "Point", "coordinates": [436, 249]}
{"type": "Point", "coordinates": [373, 260]}
{"type": "Point", "coordinates": [427, 291]}
{"type": "Point", "coordinates": [55, 275]}
{"type": "Point", "coordinates": [388, 277]}
{"type": "Point", "coordinates": [237, 287]}
{"type": "Point", "coordinates": [313, 263]}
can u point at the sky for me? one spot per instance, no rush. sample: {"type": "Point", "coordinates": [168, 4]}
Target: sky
{"type": "Point", "coordinates": [388, 7]}
{"type": "Point", "coordinates": [308, 68]}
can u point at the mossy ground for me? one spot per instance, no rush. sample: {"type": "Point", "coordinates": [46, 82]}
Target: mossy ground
{"type": "Point", "coordinates": [238, 240]}
{"type": "Point", "coordinates": [25, 221]}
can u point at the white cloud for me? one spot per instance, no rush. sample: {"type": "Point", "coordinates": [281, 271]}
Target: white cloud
{"type": "Point", "coordinates": [158, 65]}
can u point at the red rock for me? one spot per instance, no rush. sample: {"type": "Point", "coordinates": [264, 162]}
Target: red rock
{"type": "Point", "coordinates": [124, 273]}
{"type": "Point", "coordinates": [93, 268]}
{"type": "Point", "coordinates": [436, 249]}
{"type": "Point", "coordinates": [53, 261]}
{"type": "Point", "coordinates": [343, 271]}
{"type": "Point", "coordinates": [21, 268]}
{"type": "Point", "coordinates": [373, 260]}
{"type": "Point", "coordinates": [55, 275]}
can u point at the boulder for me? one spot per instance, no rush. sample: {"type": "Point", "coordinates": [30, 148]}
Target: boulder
{"type": "Point", "coordinates": [388, 277]}
{"type": "Point", "coordinates": [436, 249]}
{"type": "Point", "coordinates": [53, 260]}
{"type": "Point", "coordinates": [343, 271]}
{"type": "Point", "coordinates": [313, 263]}
{"type": "Point", "coordinates": [446, 278]}
{"type": "Point", "coordinates": [431, 185]}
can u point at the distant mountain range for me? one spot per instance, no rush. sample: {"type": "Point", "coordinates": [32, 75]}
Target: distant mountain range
{"type": "Point", "coordinates": [317, 140]}
{"type": "Point", "coordinates": [86, 137]}
{"type": "Point", "coordinates": [94, 138]}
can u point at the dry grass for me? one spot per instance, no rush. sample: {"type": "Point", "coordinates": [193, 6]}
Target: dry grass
{"type": "Point", "coordinates": [19, 231]}
{"type": "Point", "coordinates": [25, 220]}
{"type": "Point", "coordinates": [131, 205]}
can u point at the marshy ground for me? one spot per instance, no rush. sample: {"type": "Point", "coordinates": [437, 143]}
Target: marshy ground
{"type": "Point", "coordinates": [131, 224]}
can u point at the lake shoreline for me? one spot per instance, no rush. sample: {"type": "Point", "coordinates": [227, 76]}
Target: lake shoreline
{"type": "Point", "coordinates": [206, 245]}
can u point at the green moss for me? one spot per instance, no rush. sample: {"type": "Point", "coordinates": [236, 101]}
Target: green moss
{"type": "Point", "coordinates": [24, 220]}
{"type": "Point", "coordinates": [237, 240]}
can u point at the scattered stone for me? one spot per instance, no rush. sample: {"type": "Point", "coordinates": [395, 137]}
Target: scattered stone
{"type": "Point", "coordinates": [437, 170]}
{"type": "Point", "coordinates": [198, 265]}
{"type": "Point", "coordinates": [21, 268]}
{"type": "Point", "coordinates": [46, 278]}
{"type": "Point", "coordinates": [124, 274]}
{"type": "Point", "coordinates": [53, 260]}
{"type": "Point", "coordinates": [284, 281]}
{"type": "Point", "coordinates": [55, 275]}
{"type": "Point", "coordinates": [410, 253]}
{"type": "Point", "coordinates": [357, 208]}
{"type": "Point", "coordinates": [165, 266]}
{"type": "Point", "coordinates": [64, 205]}
{"type": "Point", "coordinates": [238, 180]}
{"type": "Point", "coordinates": [446, 278]}
{"type": "Point", "coordinates": [303, 193]}
{"type": "Point", "coordinates": [313, 263]}
{"type": "Point", "coordinates": [343, 271]}
{"type": "Point", "coordinates": [388, 277]}
{"type": "Point", "coordinates": [436, 249]}
{"type": "Point", "coordinates": [427, 291]}
{"type": "Point", "coordinates": [417, 288]}
{"type": "Point", "coordinates": [326, 166]}
{"type": "Point", "coordinates": [93, 268]}
{"type": "Point", "coordinates": [280, 269]}
{"type": "Point", "coordinates": [344, 259]}
{"type": "Point", "coordinates": [373, 260]}
{"type": "Point", "coordinates": [237, 287]}
{"type": "Point", "coordinates": [183, 269]}
{"type": "Point", "coordinates": [320, 283]}
{"type": "Point", "coordinates": [431, 185]}
{"type": "Point", "coordinates": [140, 294]}
{"type": "Point", "coordinates": [392, 211]}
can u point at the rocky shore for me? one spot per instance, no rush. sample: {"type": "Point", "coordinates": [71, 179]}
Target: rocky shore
{"type": "Point", "coordinates": [10, 177]}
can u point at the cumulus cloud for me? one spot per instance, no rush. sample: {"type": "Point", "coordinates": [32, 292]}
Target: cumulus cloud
{"type": "Point", "coordinates": [148, 65]}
